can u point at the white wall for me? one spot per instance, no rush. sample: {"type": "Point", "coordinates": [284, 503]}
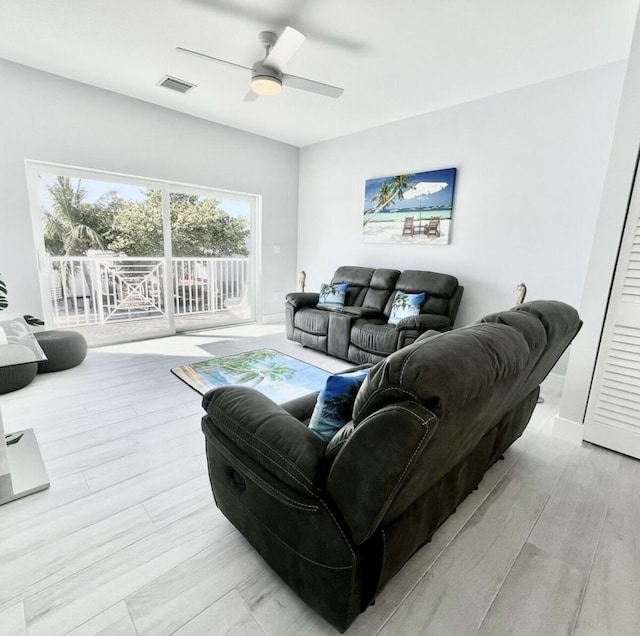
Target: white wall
{"type": "Point", "coordinates": [604, 252]}
{"type": "Point", "coordinates": [47, 118]}
{"type": "Point", "coordinates": [531, 165]}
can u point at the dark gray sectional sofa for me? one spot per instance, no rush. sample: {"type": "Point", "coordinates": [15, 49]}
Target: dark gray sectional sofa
{"type": "Point", "coordinates": [336, 521]}
{"type": "Point", "coordinates": [360, 331]}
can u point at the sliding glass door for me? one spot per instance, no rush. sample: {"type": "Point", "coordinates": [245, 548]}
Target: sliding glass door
{"type": "Point", "coordinates": [125, 258]}
{"type": "Point", "coordinates": [211, 243]}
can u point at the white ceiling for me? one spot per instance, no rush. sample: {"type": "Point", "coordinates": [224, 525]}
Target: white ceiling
{"type": "Point", "coordinates": [394, 58]}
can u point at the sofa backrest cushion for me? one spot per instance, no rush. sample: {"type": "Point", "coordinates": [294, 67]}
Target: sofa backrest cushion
{"type": "Point", "coordinates": [380, 289]}
{"type": "Point", "coordinates": [358, 278]}
{"type": "Point", "coordinates": [560, 322]}
{"type": "Point", "coordinates": [473, 380]}
{"type": "Point", "coordinates": [439, 288]}
{"type": "Point", "coordinates": [446, 372]}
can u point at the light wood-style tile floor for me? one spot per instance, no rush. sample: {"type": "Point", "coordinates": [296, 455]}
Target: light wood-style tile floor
{"type": "Point", "coordinates": [128, 539]}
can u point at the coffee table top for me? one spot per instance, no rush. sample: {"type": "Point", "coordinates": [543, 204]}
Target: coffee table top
{"type": "Point", "coordinates": [277, 375]}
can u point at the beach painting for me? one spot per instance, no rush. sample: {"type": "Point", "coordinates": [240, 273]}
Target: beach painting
{"type": "Point", "coordinates": [409, 209]}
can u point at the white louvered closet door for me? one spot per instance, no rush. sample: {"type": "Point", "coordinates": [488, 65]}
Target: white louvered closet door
{"type": "Point", "coordinates": [613, 412]}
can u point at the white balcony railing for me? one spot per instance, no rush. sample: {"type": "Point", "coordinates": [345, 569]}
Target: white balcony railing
{"type": "Point", "coordinates": [99, 290]}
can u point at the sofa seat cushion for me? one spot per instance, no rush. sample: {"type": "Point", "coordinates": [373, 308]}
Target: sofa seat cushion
{"type": "Point", "coordinates": [314, 321]}
{"type": "Point", "coordinates": [362, 312]}
{"type": "Point", "coordinates": [439, 287]}
{"type": "Point", "coordinates": [422, 322]}
{"type": "Point", "coordinates": [375, 336]}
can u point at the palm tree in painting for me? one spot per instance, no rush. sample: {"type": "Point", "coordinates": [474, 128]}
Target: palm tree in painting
{"type": "Point", "coordinates": [388, 193]}
{"type": "Point", "coordinates": [401, 184]}
{"type": "Point", "coordinates": [400, 301]}
{"type": "Point", "coordinates": [330, 289]}
{"type": "Point", "coordinates": [275, 373]}
{"type": "Point", "coordinates": [252, 367]}
{"type": "Point", "coordinates": [384, 198]}
{"type": "Point", "coordinates": [338, 406]}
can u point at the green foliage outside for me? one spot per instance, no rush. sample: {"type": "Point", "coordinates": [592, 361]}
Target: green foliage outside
{"type": "Point", "coordinates": [71, 226]}
{"type": "Point", "coordinates": [198, 227]}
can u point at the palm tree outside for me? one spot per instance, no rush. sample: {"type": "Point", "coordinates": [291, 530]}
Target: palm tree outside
{"type": "Point", "coordinates": [70, 226]}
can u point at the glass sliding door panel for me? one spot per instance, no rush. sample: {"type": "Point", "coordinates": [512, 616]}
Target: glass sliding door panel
{"type": "Point", "coordinates": [212, 260]}
{"type": "Point", "coordinates": [126, 258]}
{"type": "Point", "coordinates": [104, 250]}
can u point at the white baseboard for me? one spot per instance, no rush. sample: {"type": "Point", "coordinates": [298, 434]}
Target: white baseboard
{"type": "Point", "coordinates": [568, 430]}
{"type": "Point", "coordinates": [270, 319]}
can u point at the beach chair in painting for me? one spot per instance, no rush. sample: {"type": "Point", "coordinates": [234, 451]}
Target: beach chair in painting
{"type": "Point", "coordinates": [408, 225]}
{"type": "Point", "coordinates": [433, 227]}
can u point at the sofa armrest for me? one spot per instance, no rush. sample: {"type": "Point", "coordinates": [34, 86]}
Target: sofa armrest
{"type": "Point", "coordinates": [454, 303]}
{"type": "Point", "coordinates": [302, 299]}
{"type": "Point", "coordinates": [301, 407]}
{"type": "Point", "coordinates": [371, 467]}
{"type": "Point", "coordinates": [424, 322]}
{"type": "Point", "coordinates": [265, 432]}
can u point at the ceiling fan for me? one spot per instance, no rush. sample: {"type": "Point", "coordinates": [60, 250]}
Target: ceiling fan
{"type": "Point", "coordinates": [267, 77]}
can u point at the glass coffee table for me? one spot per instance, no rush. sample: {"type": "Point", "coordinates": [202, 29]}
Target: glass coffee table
{"type": "Point", "coordinates": [22, 470]}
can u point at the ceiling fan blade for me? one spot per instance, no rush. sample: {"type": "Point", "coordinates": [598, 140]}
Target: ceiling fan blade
{"type": "Point", "coordinates": [311, 86]}
{"type": "Point", "coordinates": [250, 96]}
{"type": "Point", "coordinates": [283, 50]}
{"type": "Point", "coordinates": [211, 58]}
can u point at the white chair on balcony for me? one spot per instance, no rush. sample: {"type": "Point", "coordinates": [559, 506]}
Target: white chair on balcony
{"type": "Point", "coordinates": [240, 307]}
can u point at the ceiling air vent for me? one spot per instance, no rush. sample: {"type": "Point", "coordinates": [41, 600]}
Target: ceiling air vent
{"type": "Point", "coordinates": [175, 84]}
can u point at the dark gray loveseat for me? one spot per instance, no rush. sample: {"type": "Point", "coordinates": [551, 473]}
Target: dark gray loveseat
{"type": "Point", "coordinates": [360, 331]}
{"type": "Point", "coordinates": [336, 521]}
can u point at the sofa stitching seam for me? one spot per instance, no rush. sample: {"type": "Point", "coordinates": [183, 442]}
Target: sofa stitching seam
{"type": "Point", "coordinates": [306, 558]}
{"type": "Point", "coordinates": [278, 466]}
{"type": "Point", "coordinates": [275, 450]}
{"type": "Point", "coordinates": [269, 459]}
{"type": "Point", "coordinates": [281, 497]}
{"type": "Point", "coordinates": [425, 425]}
{"type": "Point", "coordinates": [353, 572]}
{"type": "Point", "coordinates": [365, 406]}
{"type": "Point", "coordinates": [339, 528]}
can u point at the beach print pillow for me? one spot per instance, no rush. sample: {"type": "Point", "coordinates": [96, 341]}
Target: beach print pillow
{"type": "Point", "coordinates": [405, 305]}
{"type": "Point", "coordinates": [332, 296]}
{"type": "Point", "coordinates": [335, 403]}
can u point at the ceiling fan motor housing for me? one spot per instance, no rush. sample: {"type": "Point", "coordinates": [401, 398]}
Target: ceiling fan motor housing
{"type": "Point", "coordinates": [266, 77]}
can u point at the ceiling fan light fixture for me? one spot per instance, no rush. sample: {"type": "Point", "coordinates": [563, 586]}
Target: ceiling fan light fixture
{"type": "Point", "coordinates": [266, 85]}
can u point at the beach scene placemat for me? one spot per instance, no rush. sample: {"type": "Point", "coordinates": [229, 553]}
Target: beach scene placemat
{"type": "Point", "coordinates": [277, 375]}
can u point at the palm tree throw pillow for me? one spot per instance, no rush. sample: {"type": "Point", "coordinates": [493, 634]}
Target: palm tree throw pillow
{"type": "Point", "coordinates": [335, 403]}
{"type": "Point", "coordinates": [405, 305]}
{"type": "Point", "coordinates": [332, 295]}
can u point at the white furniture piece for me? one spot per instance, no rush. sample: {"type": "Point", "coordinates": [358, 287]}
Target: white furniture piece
{"type": "Point", "coordinates": [22, 470]}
